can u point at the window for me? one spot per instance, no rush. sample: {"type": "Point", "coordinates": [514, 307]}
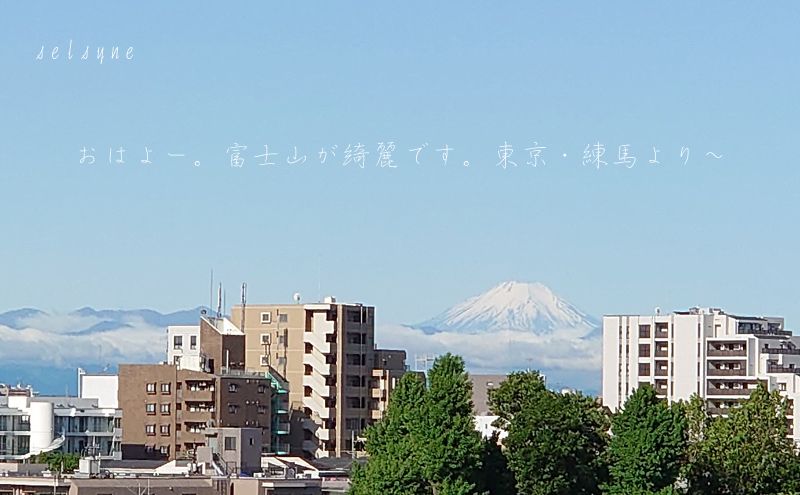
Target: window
{"type": "Point", "coordinates": [644, 350]}
{"type": "Point", "coordinates": [232, 408]}
{"type": "Point", "coordinates": [265, 339]}
{"type": "Point", "coordinates": [353, 316]}
{"type": "Point", "coordinates": [308, 369]}
{"type": "Point", "coordinates": [150, 408]}
{"type": "Point", "coordinates": [164, 408]}
{"type": "Point", "coordinates": [177, 342]}
{"type": "Point", "coordinates": [353, 423]}
{"type": "Point", "coordinates": [150, 429]}
{"type": "Point", "coordinates": [355, 381]}
{"type": "Point", "coordinates": [265, 360]}
{"type": "Point", "coordinates": [281, 361]}
{"type": "Point", "coordinates": [164, 450]}
{"type": "Point", "coordinates": [309, 348]}
{"type": "Point", "coordinates": [281, 339]}
{"type": "Point", "coordinates": [782, 386]}
{"type": "Point", "coordinates": [262, 389]}
{"type": "Point", "coordinates": [165, 388]}
{"type": "Point", "coordinates": [193, 342]}
{"type": "Point", "coordinates": [644, 369]}
{"type": "Point", "coordinates": [151, 388]}
{"type": "Point", "coordinates": [307, 391]}
{"type": "Point", "coordinates": [644, 331]}
{"type": "Point", "coordinates": [266, 317]}
{"type": "Point", "coordinates": [283, 318]}
{"type": "Point", "coordinates": [230, 443]}
{"type": "Point", "coordinates": [252, 441]}
{"type": "Point", "coordinates": [165, 430]}
{"type": "Point", "coordinates": [262, 409]}
{"type": "Point", "coordinates": [232, 388]}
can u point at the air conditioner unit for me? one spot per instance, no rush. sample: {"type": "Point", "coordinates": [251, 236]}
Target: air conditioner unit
{"type": "Point", "coordinates": [266, 339]}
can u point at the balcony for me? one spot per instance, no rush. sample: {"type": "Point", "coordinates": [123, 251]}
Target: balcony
{"type": "Point", "coordinates": [714, 352]}
{"type": "Point", "coordinates": [378, 393]}
{"type": "Point", "coordinates": [199, 395]}
{"type": "Point", "coordinates": [777, 368]}
{"type": "Point", "coordinates": [729, 391]}
{"type": "Point", "coordinates": [726, 372]}
{"type": "Point", "coordinates": [662, 352]}
{"type": "Point", "coordinates": [779, 350]}
{"type": "Point", "coordinates": [282, 428]}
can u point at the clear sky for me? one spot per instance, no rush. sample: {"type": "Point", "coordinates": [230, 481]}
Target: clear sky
{"type": "Point", "coordinates": [715, 77]}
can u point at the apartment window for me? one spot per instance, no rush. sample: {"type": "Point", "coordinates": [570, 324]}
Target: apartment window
{"type": "Point", "coordinates": [330, 359]}
{"type": "Point", "coordinates": [150, 429]}
{"type": "Point", "coordinates": [309, 348]}
{"type": "Point", "coordinates": [230, 443]}
{"type": "Point", "coordinates": [165, 388]}
{"type": "Point", "coordinates": [262, 409]}
{"type": "Point", "coordinates": [353, 316]}
{"type": "Point", "coordinates": [307, 391]}
{"type": "Point", "coordinates": [164, 408]}
{"type": "Point", "coordinates": [265, 360]}
{"type": "Point", "coordinates": [164, 450]}
{"type": "Point", "coordinates": [283, 318]}
{"type": "Point", "coordinates": [281, 361]}
{"type": "Point", "coordinates": [281, 339]}
{"type": "Point", "coordinates": [308, 369]}
{"type": "Point", "coordinates": [644, 331]}
{"type": "Point", "coordinates": [266, 317]}
{"type": "Point", "coordinates": [262, 389]}
{"type": "Point", "coordinates": [193, 342]}
{"type": "Point", "coordinates": [232, 388]}
{"type": "Point", "coordinates": [353, 423]}
{"type": "Point", "coordinates": [330, 381]}
{"type": "Point", "coordinates": [330, 402]}
{"type": "Point", "coordinates": [177, 342]}
{"type": "Point", "coordinates": [150, 408]}
{"type": "Point", "coordinates": [232, 408]}
{"type": "Point", "coordinates": [644, 369]}
{"type": "Point", "coordinates": [782, 386]}
{"type": "Point", "coordinates": [330, 338]}
{"type": "Point", "coordinates": [151, 388]}
{"type": "Point", "coordinates": [644, 350]}
{"type": "Point", "coordinates": [164, 430]}
{"type": "Point", "coordinates": [354, 338]}
{"type": "Point", "coordinates": [355, 381]}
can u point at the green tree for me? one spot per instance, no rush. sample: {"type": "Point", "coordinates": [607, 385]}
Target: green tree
{"type": "Point", "coordinates": [393, 467]}
{"type": "Point", "coordinates": [450, 445]}
{"type": "Point", "coordinates": [495, 477]}
{"type": "Point", "coordinates": [427, 443]}
{"type": "Point", "coordinates": [748, 452]}
{"type": "Point", "coordinates": [555, 441]}
{"type": "Point", "coordinates": [648, 438]}
{"type": "Point", "coordinates": [56, 461]}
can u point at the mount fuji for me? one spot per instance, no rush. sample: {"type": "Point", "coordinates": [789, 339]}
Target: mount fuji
{"type": "Point", "coordinates": [514, 306]}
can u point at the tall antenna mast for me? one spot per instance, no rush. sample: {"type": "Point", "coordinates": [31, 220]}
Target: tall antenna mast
{"type": "Point", "coordinates": [244, 303]}
{"type": "Point", "coordinates": [219, 301]}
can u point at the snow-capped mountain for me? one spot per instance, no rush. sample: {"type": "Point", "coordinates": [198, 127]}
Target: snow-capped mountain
{"type": "Point", "coordinates": [515, 306]}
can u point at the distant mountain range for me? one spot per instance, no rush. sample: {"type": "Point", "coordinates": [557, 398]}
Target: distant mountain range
{"type": "Point", "coordinates": [514, 306]}
{"type": "Point", "coordinates": [103, 320]}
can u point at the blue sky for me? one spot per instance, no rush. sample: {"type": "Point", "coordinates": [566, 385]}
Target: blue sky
{"type": "Point", "coordinates": [412, 240]}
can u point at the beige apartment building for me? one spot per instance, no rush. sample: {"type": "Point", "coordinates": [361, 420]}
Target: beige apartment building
{"type": "Point", "coordinates": [338, 381]}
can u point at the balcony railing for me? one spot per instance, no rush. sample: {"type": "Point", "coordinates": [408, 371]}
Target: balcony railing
{"type": "Point", "coordinates": [729, 391]}
{"type": "Point", "coordinates": [779, 350]}
{"type": "Point", "coordinates": [662, 353]}
{"type": "Point", "coordinates": [776, 368]}
{"type": "Point", "coordinates": [726, 372]}
{"type": "Point", "coordinates": [713, 352]}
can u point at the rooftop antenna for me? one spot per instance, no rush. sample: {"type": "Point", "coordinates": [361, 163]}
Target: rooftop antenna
{"type": "Point", "coordinates": [219, 301]}
{"type": "Point", "coordinates": [297, 297]}
{"type": "Point", "coordinates": [658, 310]}
{"type": "Point", "coordinates": [244, 303]}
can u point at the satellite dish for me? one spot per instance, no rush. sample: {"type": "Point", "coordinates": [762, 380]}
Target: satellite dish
{"type": "Point", "coordinates": [658, 310]}
{"type": "Point", "coordinates": [297, 297]}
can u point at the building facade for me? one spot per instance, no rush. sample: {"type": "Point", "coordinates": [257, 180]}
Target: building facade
{"type": "Point", "coordinates": [703, 351]}
{"type": "Point", "coordinates": [326, 354]}
{"type": "Point", "coordinates": [32, 424]}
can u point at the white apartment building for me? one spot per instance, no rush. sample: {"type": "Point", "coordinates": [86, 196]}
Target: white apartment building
{"type": "Point", "coordinates": [703, 351]}
{"type": "Point", "coordinates": [32, 424]}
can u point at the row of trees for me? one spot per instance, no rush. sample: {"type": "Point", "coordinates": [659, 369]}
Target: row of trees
{"type": "Point", "coordinates": [565, 444]}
